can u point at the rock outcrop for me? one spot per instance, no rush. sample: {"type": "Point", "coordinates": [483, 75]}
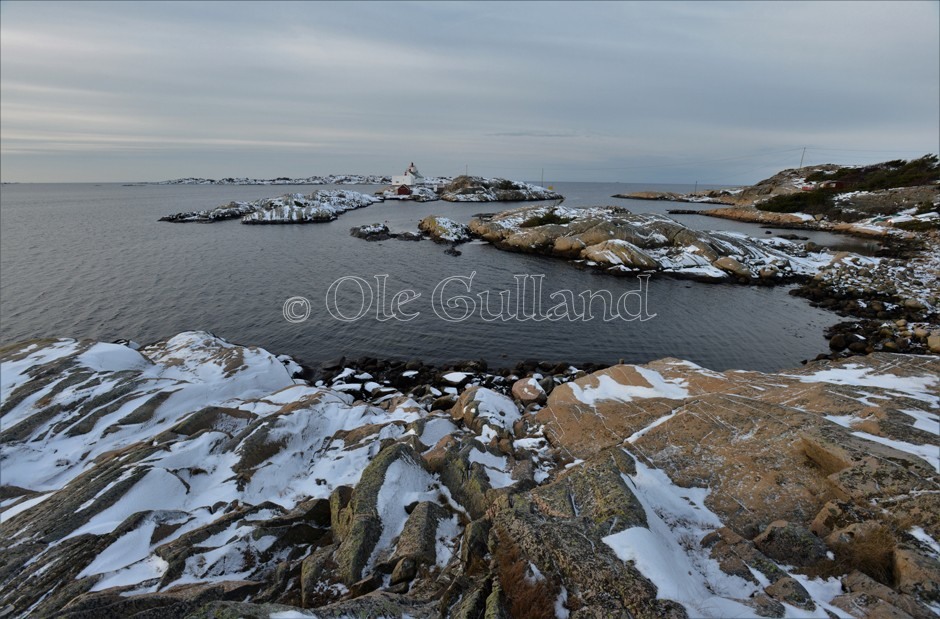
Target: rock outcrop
{"type": "Point", "coordinates": [444, 230]}
{"type": "Point", "coordinates": [197, 478]}
{"type": "Point", "coordinates": [617, 240]}
{"type": "Point", "coordinates": [479, 189]}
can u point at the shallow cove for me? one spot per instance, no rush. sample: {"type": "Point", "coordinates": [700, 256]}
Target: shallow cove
{"type": "Point", "coordinates": [93, 261]}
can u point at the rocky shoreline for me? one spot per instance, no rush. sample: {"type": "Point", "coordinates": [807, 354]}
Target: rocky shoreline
{"type": "Point", "coordinates": [617, 241]}
{"type": "Point", "coordinates": [198, 478]}
{"type": "Point", "coordinates": [895, 302]}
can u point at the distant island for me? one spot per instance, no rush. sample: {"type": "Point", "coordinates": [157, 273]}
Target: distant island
{"type": "Point", "coordinates": [329, 179]}
{"type": "Point", "coordinates": [326, 205]}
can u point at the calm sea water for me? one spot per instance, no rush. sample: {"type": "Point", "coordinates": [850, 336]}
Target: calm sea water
{"type": "Point", "coordinates": [92, 261]}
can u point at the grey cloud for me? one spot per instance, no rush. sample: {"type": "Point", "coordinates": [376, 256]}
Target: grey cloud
{"type": "Point", "coordinates": [216, 89]}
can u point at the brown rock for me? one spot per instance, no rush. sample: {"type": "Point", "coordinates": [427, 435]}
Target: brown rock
{"type": "Point", "coordinates": [528, 391]}
{"type": "Point", "coordinates": [790, 543]}
{"type": "Point", "coordinates": [858, 583]}
{"type": "Point", "coordinates": [732, 266]}
{"type": "Point", "coordinates": [917, 574]}
{"type": "Point", "coordinates": [790, 591]}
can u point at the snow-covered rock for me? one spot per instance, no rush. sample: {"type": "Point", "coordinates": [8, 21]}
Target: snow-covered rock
{"type": "Point", "coordinates": [194, 471]}
{"type": "Point", "coordinates": [289, 208]}
{"type": "Point", "coordinates": [330, 179]}
{"type": "Point", "coordinates": [317, 207]}
{"type": "Point", "coordinates": [617, 240]}
{"type": "Point", "coordinates": [479, 189]}
{"type": "Point", "coordinates": [444, 230]}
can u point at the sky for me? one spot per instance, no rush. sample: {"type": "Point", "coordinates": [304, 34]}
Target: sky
{"type": "Point", "coordinates": [671, 92]}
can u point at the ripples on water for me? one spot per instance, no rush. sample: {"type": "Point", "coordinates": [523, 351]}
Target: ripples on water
{"type": "Point", "coordinates": [93, 261]}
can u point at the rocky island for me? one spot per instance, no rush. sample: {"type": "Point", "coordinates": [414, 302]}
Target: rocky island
{"type": "Point", "coordinates": [618, 241]}
{"type": "Point", "coordinates": [194, 477]}
{"type": "Point", "coordinates": [319, 206]}
{"type": "Point", "coordinates": [478, 189]}
{"type": "Point", "coordinates": [329, 179]}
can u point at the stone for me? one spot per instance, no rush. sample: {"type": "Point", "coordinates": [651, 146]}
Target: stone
{"type": "Point", "coordinates": [528, 391]}
{"type": "Point", "coordinates": [417, 540]}
{"type": "Point", "coordinates": [933, 343]}
{"type": "Point", "coordinates": [870, 607]}
{"type": "Point", "coordinates": [444, 230]}
{"type": "Point", "coordinates": [622, 253]}
{"type": "Point", "coordinates": [790, 591]}
{"type": "Point", "coordinates": [917, 573]}
{"type": "Point", "coordinates": [730, 265]}
{"type": "Point", "coordinates": [405, 571]}
{"type": "Point", "coordinates": [339, 517]}
{"type": "Point", "coordinates": [837, 515]}
{"type": "Point", "coordinates": [595, 492]}
{"type": "Point", "coordinates": [790, 543]}
{"type": "Point", "coordinates": [858, 583]}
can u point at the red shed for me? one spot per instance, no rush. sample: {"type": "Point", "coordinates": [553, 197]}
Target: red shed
{"type": "Point", "coordinates": [403, 190]}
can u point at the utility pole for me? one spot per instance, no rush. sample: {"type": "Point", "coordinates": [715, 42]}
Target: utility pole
{"type": "Point", "coordinates": [542, 182]}
{"type": "Point", "coordinates": [694, 191]}
{"type": "Point", "coordinates": [801, 157]}
{"type": "Point", "coordinates": [466, 170]}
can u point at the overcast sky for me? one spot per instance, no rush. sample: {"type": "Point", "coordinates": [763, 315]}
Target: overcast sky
{"type": "Point", "coordinates": [721, 93]}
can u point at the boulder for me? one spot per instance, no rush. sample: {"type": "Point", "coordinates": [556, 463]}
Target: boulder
{"type": "Point", "coordinates": [528, 391]}
{"type": "Point", "coordinates": [620, 253]}
{"type": "Point", "coordinates": [791, 544]}
{"type": "Point", "coordinates": [596, 493]}
{"type": "Point", "coordinates": [478, 407]}
{"type": "Point", "coordinates": [444, 230]}
{"type": "Point", "coordinates": [933, 343]}
{"type": "Point", "coordinates": [917, 573]}
{"type": "Point", "coordinates": [371, 232]}
{"type": "Point", "coordinates": [732, 266]}
{"type": "Point", "coordinates": [417, 540]}
{"type": "Point", "coordinates": [789, 591]}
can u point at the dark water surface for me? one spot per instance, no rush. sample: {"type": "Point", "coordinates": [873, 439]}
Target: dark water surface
{"type": "Point", "coordinates": [92, 261]}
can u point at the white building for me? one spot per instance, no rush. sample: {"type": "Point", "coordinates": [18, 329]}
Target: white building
{"type": "Point", "coordinates": [410, 178]}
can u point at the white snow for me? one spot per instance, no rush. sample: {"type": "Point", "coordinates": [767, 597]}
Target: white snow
{"type": "Point", "coordinates": [669, 553]}
{"type": "Point", "coordinates": [915, 387]}
{"type": "Point", "coordinates": [23, 506]}
{"type": "Point", "coordinates": [927, 422]}
{"type": "Point", "coordinates": [448, 539]}
{"type": "Point", "coordinates": [130, 548]}
{"type": "Point", "coordinates": [636, 435]}
{"type": "Point", "coordinates": [112, 358]}
{"type": "Point", "coordinates": [455, 377]}
{"type": "Point", "coordinates": [13, 373]}
{"type": "Point", "coordinates": [929, 453]}
{"type": "Point", "coordinates": [925, 537]}
{"type": "Point", "coordinates": [496, 408]}
{"type": "Point", "coordinates": [435, 429]}
{"type": "Point", "coordinates": [149, 568]}
{"type": "Point", "coordinates": [494, 467]}
{"type": "Point", "coordinates": [609, 389]}
{"type": "Point", "coordinates": [405, 483]}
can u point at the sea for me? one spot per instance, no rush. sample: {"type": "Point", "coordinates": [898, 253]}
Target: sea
{"type": "Point", "coordinates": [93, 261]}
